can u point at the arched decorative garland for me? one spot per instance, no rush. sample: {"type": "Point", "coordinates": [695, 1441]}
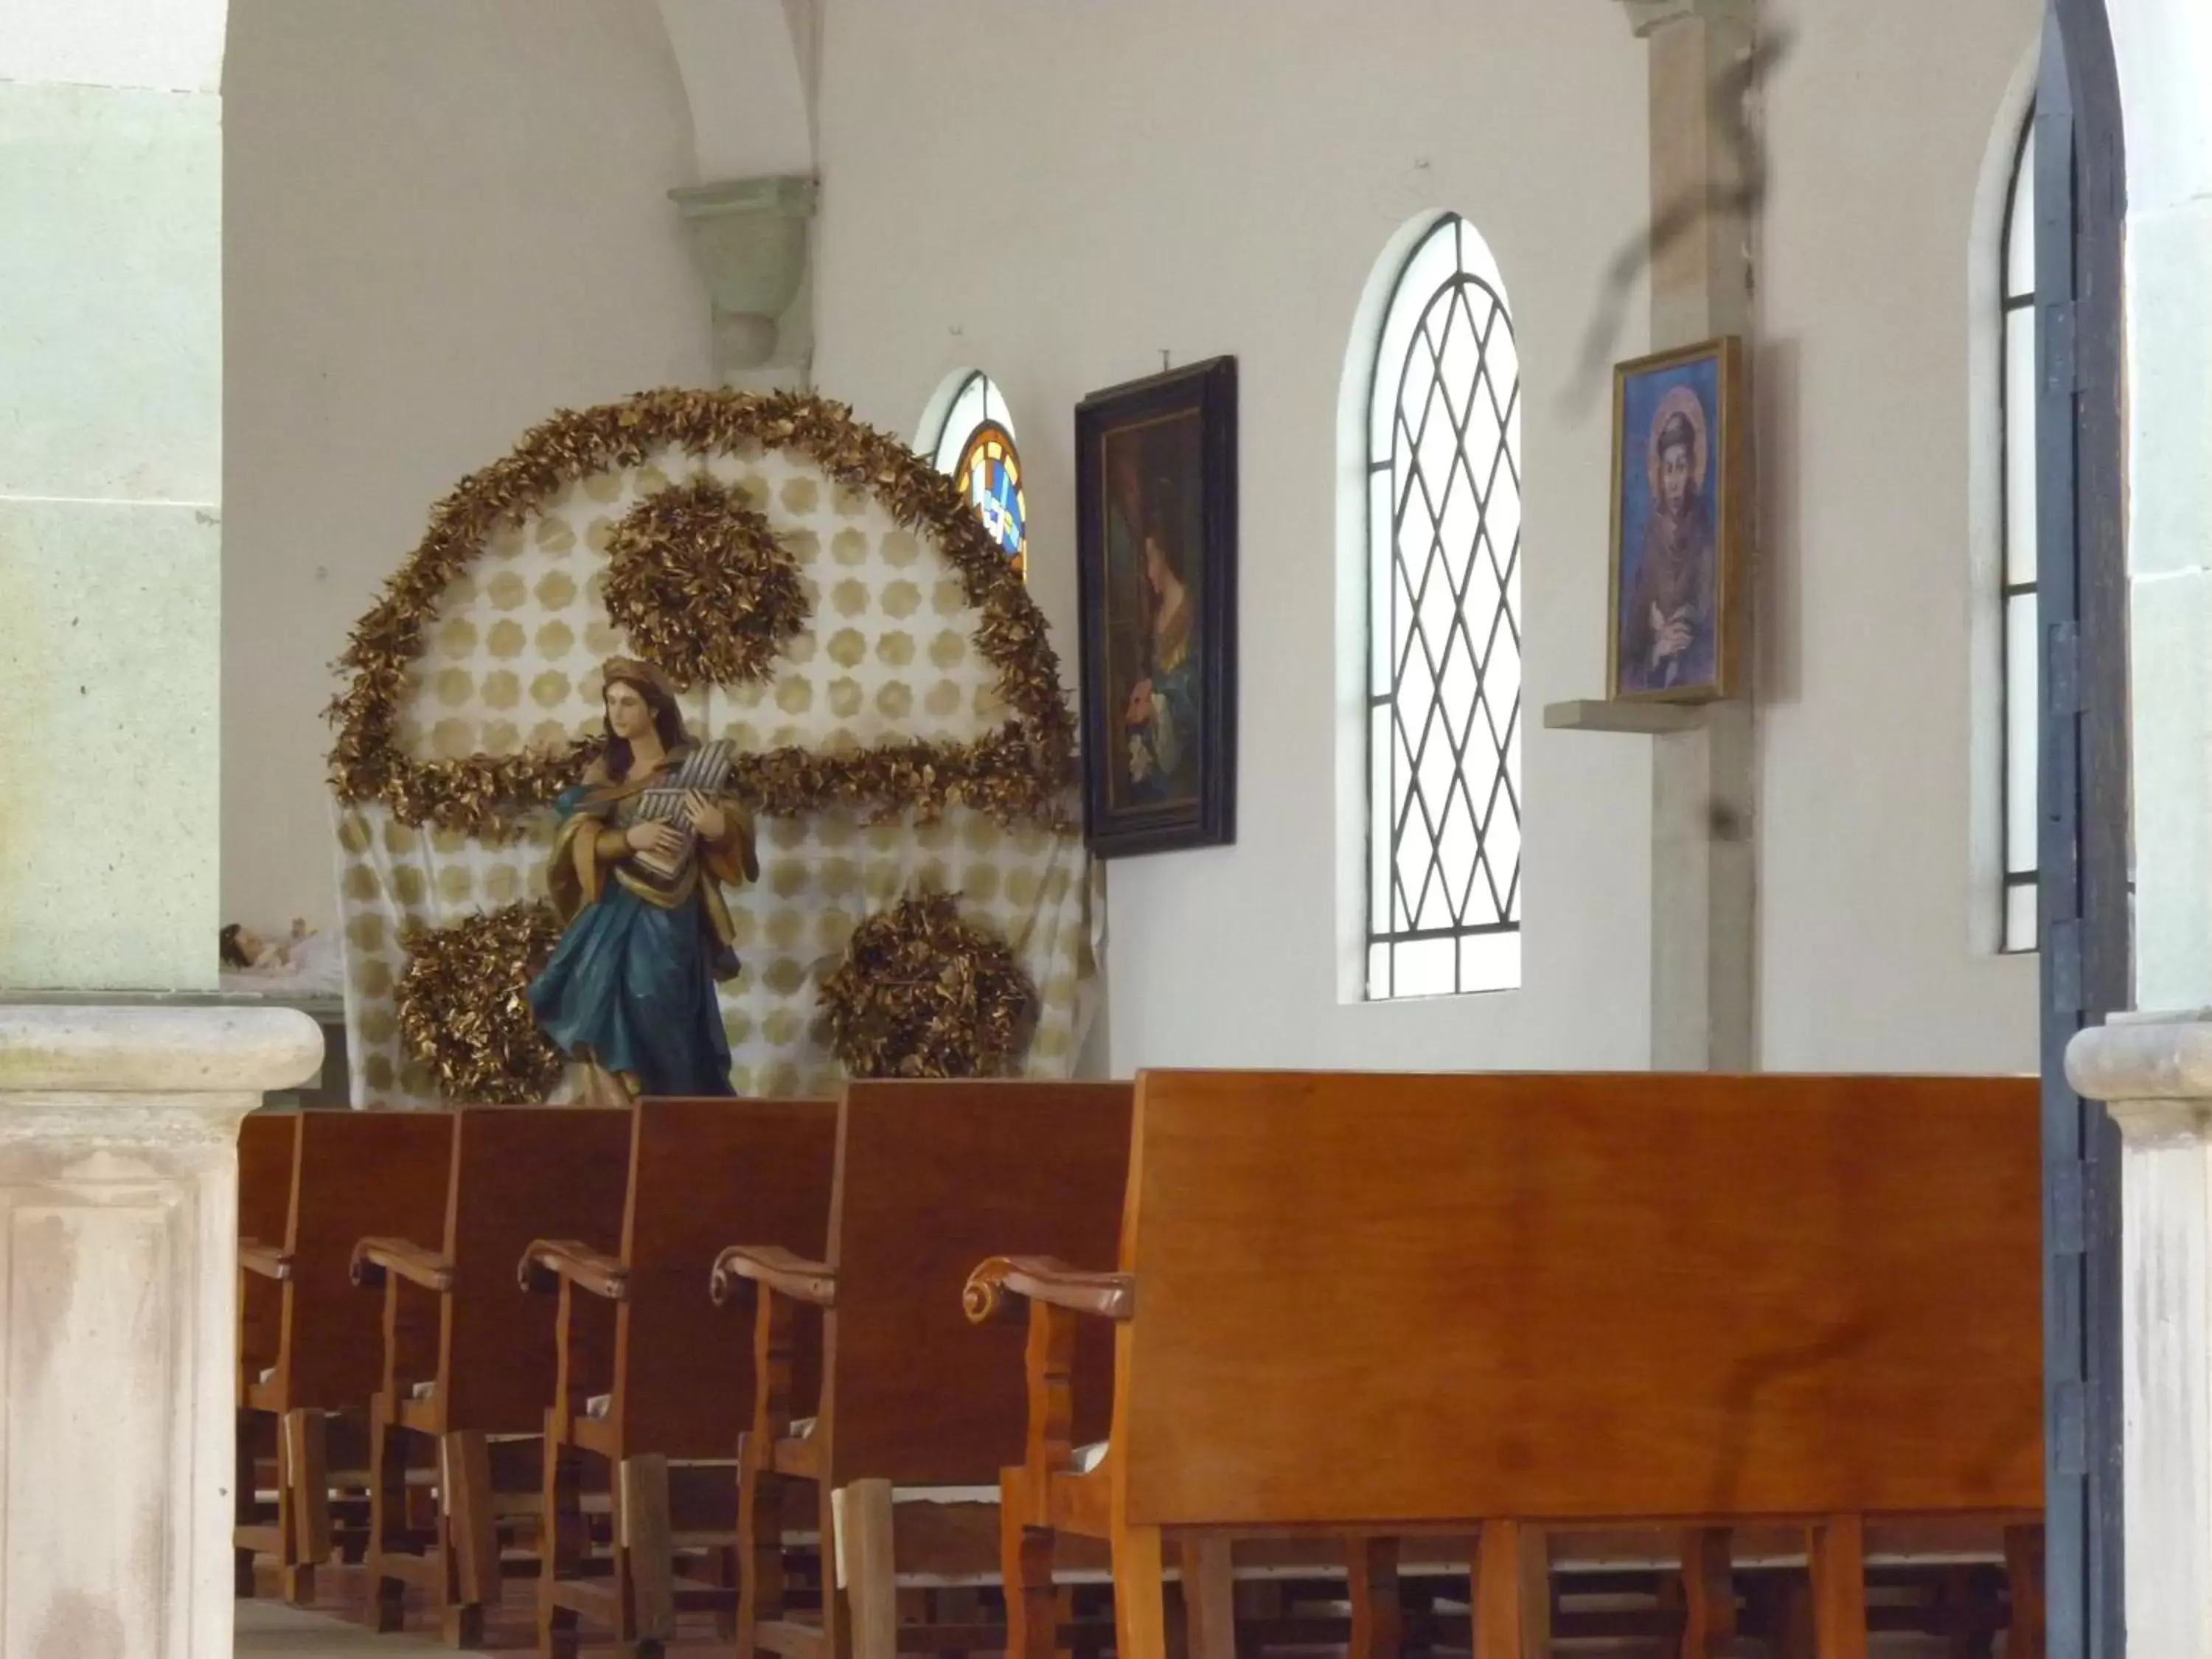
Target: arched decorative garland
{"type": "Point", "coordinates": [1018, 773]}
{"type": "Point", "coordinates": [922, 994]}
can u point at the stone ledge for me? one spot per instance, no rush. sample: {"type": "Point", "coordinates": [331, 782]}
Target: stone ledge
{"type": "Point", "coordinates": [168, 1051]}
{"type": "Point", "coordinates": [2155, 1072]}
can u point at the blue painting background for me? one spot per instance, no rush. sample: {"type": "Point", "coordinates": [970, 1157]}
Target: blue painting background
{"type": "Point", "coordinates": [1640, 399]}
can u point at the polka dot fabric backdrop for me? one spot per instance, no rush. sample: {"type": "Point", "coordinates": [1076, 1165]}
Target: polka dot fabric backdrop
{"type": "Point", "coordinates": [512, 663]}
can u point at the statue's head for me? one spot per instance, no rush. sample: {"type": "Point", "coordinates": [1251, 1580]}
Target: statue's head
{"type": "Point", "coordinates": [640, 700]}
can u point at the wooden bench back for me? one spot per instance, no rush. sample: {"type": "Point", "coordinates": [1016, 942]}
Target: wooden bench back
{"type": "Point", "coordinates": [932, 1177]}
{"type": "Point", "coordinates": [703, 1173]}
{"type": "Point", "coordinates": [354, 1176]}
{"type": "Point", "coordinates": [1437, 1297]}
{"type": "Point", "coordinates": [519, 1174]}
{"type": "Point", "coordinates": [267, 1143]}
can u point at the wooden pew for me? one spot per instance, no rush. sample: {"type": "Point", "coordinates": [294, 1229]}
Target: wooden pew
{"type": "Point", "coordinates": [926, 1174]}
{"type": "Point", "coordinates": [468, 1364]}
{"type": "Point", "coordinates": [310, 1184]}
{"type": "Point", "coordinates": [645, 1363]}
{"type": "Point", "coordinates": [1389, 1306]}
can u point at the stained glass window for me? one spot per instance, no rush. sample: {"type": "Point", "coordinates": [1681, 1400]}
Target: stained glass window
{"type": "Point", "coordinates": [1443, 516]}
{"type": "Point", "coordinates": [976, 446]}
{"type": "Point", "coordinates": [2015, 254]}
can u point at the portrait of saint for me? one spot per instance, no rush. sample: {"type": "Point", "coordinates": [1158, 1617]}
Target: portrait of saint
{"type": "Point", "coordinates": [1155, 568]}
{"type": "Point", "coordinates": [1671, 548]}
{"type": "Point", "coordinates": [636, 879]}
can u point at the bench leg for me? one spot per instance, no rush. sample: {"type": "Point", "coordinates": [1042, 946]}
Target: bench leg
{"type": "Point", "coordinates": [1839, 1608]}
{"type": "Point", "coordinates": [471, 1535]}
{"type": "Point", "coordinates": [244, 1506]}
{"type": "Point", "coordinates": [387, 1517]}
{"type": "Point", "coordinates": [1209, 1598]}
{"type": "Point", "coordinates": [644, 1557]}
{"type": "Point", "coordinates": [1140, 1628]}
{"type": "Point", "coordinates": [865, 1568]}
{"type": "Point", "coordinates": [1025, 1555]}
{"type": "Point", "coordinates": [561, 1545]}
{"type": "Point", "coordinates": [1512, 1592]}
{"type": "Point", "coordinates": [1378, 1621]}
{"type": "Point", "coordinates": [1709, 1627]}
{"type": "Point", "coordinates": [760, 1545]}
{"type": "Point", "coordinates": [2024, 1570]}
{"type": "Point", "coordinates": [305, 1477]}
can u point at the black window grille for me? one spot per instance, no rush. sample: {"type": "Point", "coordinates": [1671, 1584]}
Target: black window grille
{"type": "Point", "coordinates": [1444, 480]}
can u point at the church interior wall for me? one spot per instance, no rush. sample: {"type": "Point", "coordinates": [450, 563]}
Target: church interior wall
{"type": "Point", "coordinates": [446, 221]}
{"type": "Point", "coordinates": [442, 221]}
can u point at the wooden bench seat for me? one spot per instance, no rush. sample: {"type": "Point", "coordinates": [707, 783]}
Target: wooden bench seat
{"type": "Point", "coordinates": [1383, 1307]}
{"type": "Point", "coordinates": [467, 1365]}
{"type": "Point", "coordinates": [311, 1183]}
{"type": "Point", "coordinates": [643, 1389]}
{"type": "Point", "coordinates": [927, 1177]}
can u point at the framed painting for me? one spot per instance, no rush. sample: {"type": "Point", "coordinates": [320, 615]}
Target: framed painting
{"type": "Point", "coordinates": [1680, 494]}
{"type": "Point", "coordinates": [1156, 556]}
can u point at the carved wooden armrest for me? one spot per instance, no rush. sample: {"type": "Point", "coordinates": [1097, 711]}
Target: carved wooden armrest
{"type": "Point", "coordinates": [266, 1260]}
{"type": "Point", "coordinates": [373, 1258]}
{"type": "Point", "coordinates": [993, 1289]}
{"type": "Point", "coordinates": [549, 1261]}
{"type": "Point", "coordinates": [789, 1275]}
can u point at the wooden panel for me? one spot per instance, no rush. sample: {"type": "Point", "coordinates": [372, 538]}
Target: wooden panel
{"type": "Point", "coordinates": [932, 1178]}
{"type": "Point", "coordinates": [268, 1142]}
{"type": "Point", "coordinates": [359, 1175]}
{"type": "Point", "coordinates": [519, 1173]}
{"type": "Point", "coordinates": [706, 1173]}
{"type": "Point", "coordinates": [1434, 1298]}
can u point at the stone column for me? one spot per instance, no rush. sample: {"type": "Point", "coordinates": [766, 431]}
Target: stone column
{"type": "Point", "coordinates": [2153, 1072]}
{"type": "Point", "coordinates": [118, 1233]}
{"type": "Point", "coordinates": [111, 478]}
{"type": "Point", "coordinates": [753, 240]}
{"type": "Point", "coordinates": [1704, 795]}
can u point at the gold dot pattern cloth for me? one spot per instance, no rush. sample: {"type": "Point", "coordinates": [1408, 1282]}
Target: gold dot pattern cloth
{"type": "Point", "coordinates": [512, 663]}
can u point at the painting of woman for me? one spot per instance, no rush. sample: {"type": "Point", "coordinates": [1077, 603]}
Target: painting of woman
{"type": "Point", "coordinates": [629, 991]}
{"type": "Point", "coordinates": [1162, 711]}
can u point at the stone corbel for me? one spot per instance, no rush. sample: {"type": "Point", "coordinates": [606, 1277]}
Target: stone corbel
{"type": "Point", "coordinates": [1645, 16]}
{"type": "Point", "coordinates": [753, 238]}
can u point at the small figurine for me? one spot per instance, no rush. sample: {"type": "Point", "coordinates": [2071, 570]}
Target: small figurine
{"type": "Point", "coordinates": [646, 843]}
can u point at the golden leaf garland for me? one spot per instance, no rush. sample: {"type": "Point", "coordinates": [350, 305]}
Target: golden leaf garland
{"type": "Point", "coordinates": [697, 580]}
{"type": "Point", "coordinates": [922, 994]}
{"type": "Point", "coordinates": [1015, 773]}
{"type": "Point", "coordinates": [463, 1011]}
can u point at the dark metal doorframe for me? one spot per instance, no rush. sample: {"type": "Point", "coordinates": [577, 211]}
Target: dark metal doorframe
{"type": "Point", "coordinates": [2086, 932]}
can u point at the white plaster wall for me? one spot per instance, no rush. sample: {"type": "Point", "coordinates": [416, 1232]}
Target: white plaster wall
{"type": "Point", "coordinates": [1877, 129]}
{"type": "Point", "coordinates": [1219, 179]}
{"type": "Point", "coordinates": [445, 219]}
{"type": "Point", "coordinates": [1199, 180]}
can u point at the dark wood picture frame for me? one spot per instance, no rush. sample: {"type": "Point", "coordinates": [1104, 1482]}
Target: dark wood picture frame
{"type": "Point", "coordinates": [1155, 561]}
{"type": "Point", "coordinates": [1706, 383]}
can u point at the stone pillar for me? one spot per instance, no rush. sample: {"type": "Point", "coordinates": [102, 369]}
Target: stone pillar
{"type": "Point", "coordinates": [1704, 774]}
{"type": "Point", "coordinates": [753, 240]}
{"type": "Point", "coordinates": [118, 1233]}
{"type": "Point", "coordinates": [2153, 1074]}
{"type": "Point", "coordinates": [110, 462]}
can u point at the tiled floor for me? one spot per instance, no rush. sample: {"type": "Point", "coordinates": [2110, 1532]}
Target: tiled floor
{"type": "Point", "coordinates": [267, 1629]}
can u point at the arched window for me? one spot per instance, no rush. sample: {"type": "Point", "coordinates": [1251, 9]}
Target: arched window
{"type": "Point", "coordinates": [975, 445]}
{"type": "Point", "coordinates": [1443, 544]}
{"type": "Point", "coordinates": [2015, 253]}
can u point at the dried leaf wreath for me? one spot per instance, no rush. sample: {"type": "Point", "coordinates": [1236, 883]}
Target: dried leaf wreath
{"type": "Point", "coordinates": [462, 1008]}
{"type": "Point", "coordinates": [922, 994]}
{"type": "Point", "coordinates": [697, 580]}
{"type": "Point", "coordinates": [1019, 773]}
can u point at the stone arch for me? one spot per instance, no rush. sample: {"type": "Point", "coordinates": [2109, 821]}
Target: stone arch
{"type": "Point", "coordinates": [749, 73]}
